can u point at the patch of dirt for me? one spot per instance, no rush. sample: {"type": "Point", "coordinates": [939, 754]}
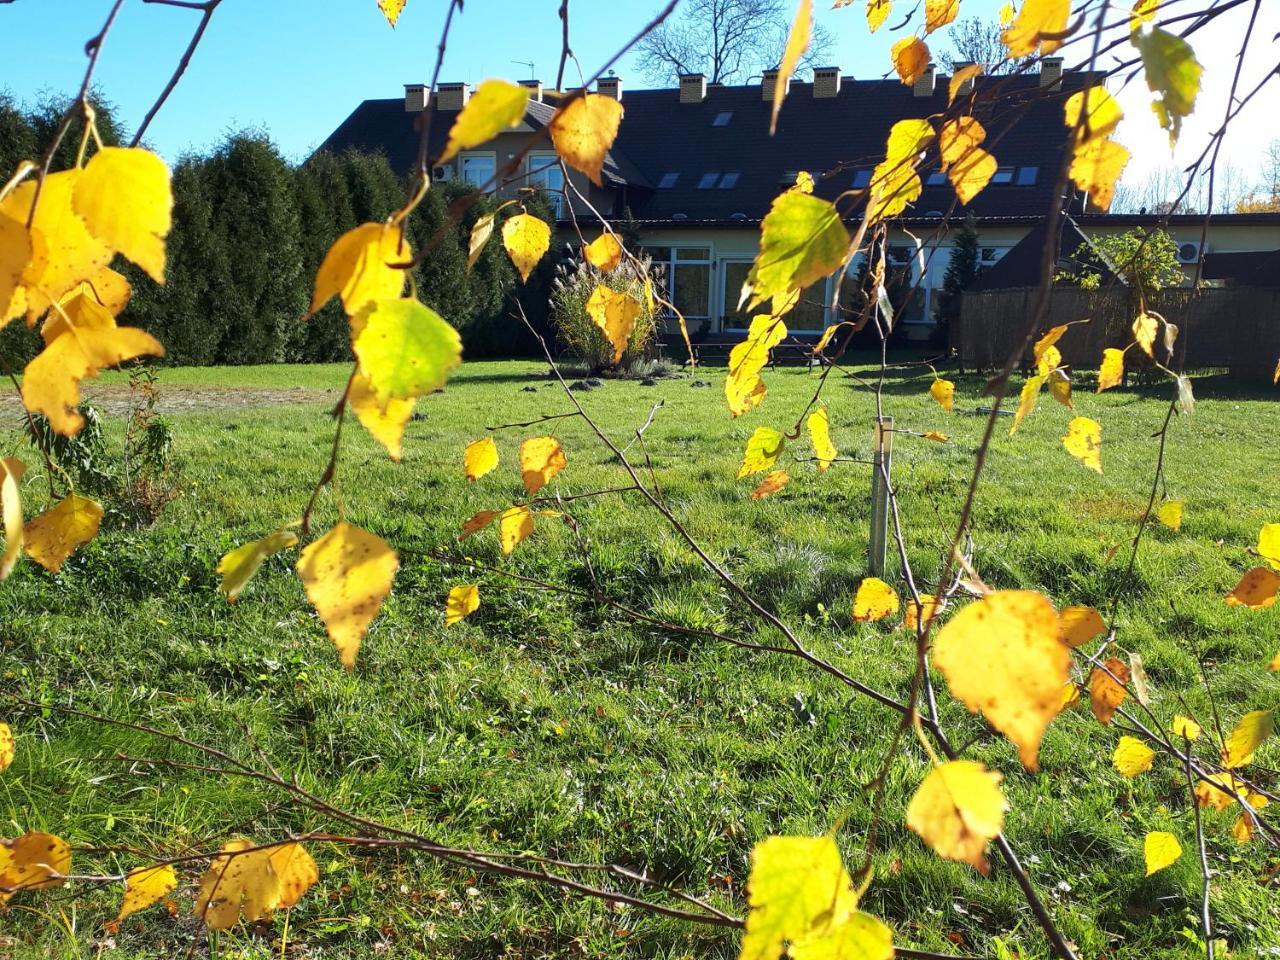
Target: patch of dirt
{"type": "Point", "coordinates": [114, 399]}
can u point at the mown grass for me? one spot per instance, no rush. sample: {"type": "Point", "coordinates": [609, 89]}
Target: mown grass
{"type": "Point", "coordinates": [547, 724]}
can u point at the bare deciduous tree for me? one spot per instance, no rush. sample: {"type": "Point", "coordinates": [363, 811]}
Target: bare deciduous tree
{"type": "Point", "coordinates": [729, 41]}
{"type": "Point", "coordinates": [977, 41]}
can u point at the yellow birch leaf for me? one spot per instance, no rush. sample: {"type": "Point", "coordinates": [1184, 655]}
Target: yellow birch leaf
{"type": "Point", "coordinates": [477, 522]}
{"type": "Point", "coordinates": [1145, 328]}
{"type": "Point", "coordinates": [1027, 402]}
{"type": "Point", "coordinates": [1132, 757]}
{"type": "Point", "coordinates": [57, 533]}
{"type": "Point", "coordinates": [849, 934]}
{"type": "Point", "coordinates": [1005, 16]}
{"type": "Point", "coordinates": [1185, 727]}
{"type": "Point", "coordinates": [16, 251]}
{"type": "Point", "coordinates": [877, 13]}
{"type": "Point", "coordinates": [239, 566]}
{"type": "Point", "coordinates": [7, 747]}
{"type": "Point", "coordinates": [1002, 655]}
{"type": "Point", "coordinates": [801, 241]}
{"type": "Point", "coordinates": [1170, 514]}
{"type": "Point", "coordinates": [1144, 11]}
{"type": "Point", "coordinates": [357, 269]}
{"type": "Point", "coordinates": [385, 422]}
{"type": "Point", "coordinates": [922, 612]}
{"type": "Point", "coordinates": [1106, 689]}
{"type": "Point", "coordinates": [481, 231]}
{"type": "Point", "coordinates": [1244, 740]}
{"type": "Point", "coordinates": [936, 436]}
{"type": "Point", "coordinates": [771, 484]}
{"type": "Point", "coordinates": [125, 199]}
{"type": "Point", "coordinates": [1173, 75]}
{"type": "Point", "coordinates": [391, 9]}
{"type": "Point", "coordinates": [743, 388]}
{"type": "Point", "coordinates": [938, 13]}
{"type": "Point", "coordinates": [1111, 373]}
{"type": "Point", "coordinates": [1269, 544]}
{"type": "Point", "coordinates": [514, 525]}
{"type": "Point", "coordinates": [405, 349]}
{"type": "Point", "coordinates": [1051, 337]}
{"type": "Point", "coordinates": [80, 340]}
{"type": "Point", "coordinates": [1048, 361]}
{"type": "Point", "coordinates": [1160, 850]}
{"type": "Point", "coordinates": [496, 105]}
{"type": "Point", "coordinates": [874, 600]}
{"type": "Point", "coordinates": [479, 457]}
{"type": "Point", "coordinates": [615, 313]}
{"type": "Point", "coordinates": [1141, 682]}
{"type": "Point", "coordinates": [33, 861]}
{"type": "Point", "coordinates": [910, 58]}
{"type": "Point", "coordinates": [240, 881]}
{"type": "Point", "coordinates": [794, 881]}
{"type": "Point", "coordinates": [604, 252]}
{"type": "Point", "coordinates": [958, 810]}
{"type": "Point", "coordinates": [1070, 695]}
{"type": "Point", "coordinates": [1079, 625]}
{"type": "Point", "coordinates": [764, 447]}
{"type": "Point", "coordinates": [106, 287]}
{"type": "Point", "coordinates": [1102, 113]}
{"type": "Point", "coordinates": [526, 239]}
{"type": "Point", "coordinates": [1083, 441]}
{"type": "Point", "coordinates": [1220, 790]}
{"type": "Point", "coordinates": [1060, 388]}
{"type": "Point", "coordinates": [461, 603]}
{"type": "Point", "coordinates": [970, 174]}
{"type": "Point", "coordinates": [1096, 166]}
{"type": "Point", "coordinates": [584, 129]}
{"type": "Point", "coordinates": [1243, 829]}
{"type": "Point", "coordinates": [11, 471]}
{"type": "Point", "coordinates": [944, 392]}
{"type": "Point", "coordinates": [961, 77]}
{"type": "Point", "coordinates": [797, 43]}
{"type": "Point", "coordinates": [347, 574]}
{"type": "Point", "coordinates": [1037, 17]}
{"type": "Point", "coordinates": [1256, 590]}
{"type": "Point", "coordinates": [296, 872]}
{"type": "Point", "coordinates": [63, 251]}
{"type": "Point", "coordinates": [541, 458]}
{"type": "Point", "coordinates": [146, 886]}
{"type": "Point", "coordinates": [820, 439]}
{"type": "Point", "coordinates": [894, 182]}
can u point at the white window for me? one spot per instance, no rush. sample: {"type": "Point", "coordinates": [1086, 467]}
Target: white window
{"type": "Point", "coordinates": [478, 169]}
{"type": "Point", "coordinates": [546, 173]}
{"type": "Point", "coordinates": [688, 279]}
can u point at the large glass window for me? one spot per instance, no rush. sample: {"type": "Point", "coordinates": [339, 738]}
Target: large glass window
{"type": "Point", "coordinates": [688, 279]}
{"type": "Point", "coordinates": [478, 168]}
{"type": "Point", "coordinates": [545, 173]}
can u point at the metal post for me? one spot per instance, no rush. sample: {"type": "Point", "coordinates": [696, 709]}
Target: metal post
{"type": "Point", "coordinates": [882, 469]}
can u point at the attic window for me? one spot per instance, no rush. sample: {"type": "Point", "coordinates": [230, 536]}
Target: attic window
{"type": "Point", "coordinates": [861, 178]}
{"type": "Point", "coordinates": [729, 181]}
{"type": "Point", "coordinates": [708, 180]}
{"type": "Point", "coordinates": [1003, 175]}
{"type": "Point", "coordinates": [722, 119]}
{"type": "Point", "coordinates": [936, 179]}
{"type": "Point", "coordinates": [668, 181]}
{"type": "Point", "coordinates": [1027, 176]}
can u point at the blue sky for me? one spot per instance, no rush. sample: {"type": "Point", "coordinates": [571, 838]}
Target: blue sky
{"type": "Point", "coordinates": [297, 67]}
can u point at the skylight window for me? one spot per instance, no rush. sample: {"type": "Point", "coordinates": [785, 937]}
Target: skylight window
{"type": "Point", "coordinates": [729, 181]}
{"type": "Point", "coordinates": [708, 180]}
{"type": "Point", "coordinates": [1027, 176]}
{"type": "Point", "coordinates": [937, 178]}
{"type": "Point", "coordinates": [1003, 175]}
{"type": "Point", "coordinates": [722, 119]}
{"type": "Point", "coordinates": [861, 179]}
{"type": "Point", "coordinates": [668, 181]}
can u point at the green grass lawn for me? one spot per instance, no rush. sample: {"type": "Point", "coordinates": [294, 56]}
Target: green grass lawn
{"type": "Point", "coordinates": [545, 723]}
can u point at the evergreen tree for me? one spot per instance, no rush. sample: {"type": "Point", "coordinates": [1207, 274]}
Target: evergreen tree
{"type": "Point", "coordinates": [17, 137]}
{"type": "Point", "coordinates": [444, 283]}
{"type": "Point", "coordinates": [962, 269]}
{"type": "Point", "coordinates": [323, 196]}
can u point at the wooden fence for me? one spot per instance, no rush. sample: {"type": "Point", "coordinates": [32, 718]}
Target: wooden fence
{"type": "Point", "coordinates": [1236, 329]}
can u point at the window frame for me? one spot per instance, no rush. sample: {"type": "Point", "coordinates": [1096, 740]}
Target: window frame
{"type": "Point", "coordinates": [538, 163]}
{"type": "Point", "coordinates": [490, 155]}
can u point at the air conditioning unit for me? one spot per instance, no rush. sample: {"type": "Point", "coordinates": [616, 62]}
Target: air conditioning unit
{"type": "Point", "coordinates": [443, 174]}
{"type": "Point", "coordinates": [1189, 252]}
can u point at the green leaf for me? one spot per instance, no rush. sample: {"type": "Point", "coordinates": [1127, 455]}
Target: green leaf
{"type": "Point", "coordinates": [1173, 74]}
{"type": "Point", "coordinates": [405, 349]}
{"type": "Point", "coordinates": [801, 241]}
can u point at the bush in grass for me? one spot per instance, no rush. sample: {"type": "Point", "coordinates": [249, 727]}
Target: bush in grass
{"type": "Point", "coordinates": [572, 288]}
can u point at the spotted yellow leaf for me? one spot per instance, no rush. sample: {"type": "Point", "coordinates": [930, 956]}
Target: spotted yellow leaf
{"type": "Point", "coordinates": [526, 239]}
{"type": "Point", "coordinates": [910, 58]}
{"type": "Point", "coordinates": [384, 421]}
{"type": "Point", "coordinates": [1026, 402]}
{"type": "Point", "coordinates": [17, 246]}
{"type": "Point", "coordinates": [877, 13]}
{"type": "Point", "coordinates": [1145, 329]}
{"type": "Point", "coordinates": [146, 886]}
{"type": "Point", "coordinates": [1185, 727]}
{"type": "Point", "coordinates": [824, 450]}
{"type": "Point", "coordinates": [33, 861]}
{"type": "Point", "coordinates": [958, 810]}
{"type": "Point", "coordinates": [1093, 113]}
{"type": "Point", "coordinates": [496, 106]}
{"type": "Point", "coordinates": [1027, 32]}
{"type": "Point", "coordinates": [461, 603]}
{"type": "Point", "coordinates": [1002, 655]}
{"type": "Point", "coordinates": [1060, 387]}
{"type": "Point", "coordinates": [477, 522]}
{"type": "Point", "coordinates": [1096, 166]}
{"type": "Point", "coordinates": [125, 199]}
{"type": "Point", "coordinates": [347, 574]}
{"type": "Point", "coordinates": [894, 181]}
{"type": "Point", "coordinates": [1111, 373]}
{"type": "Point", "coordinates": [59, 532]}
{"type": "Point", "coordinates": [541, 458]}
{"type": "Point", "coordinates": [1244, 740]}
{"type": "Point", "coordinates": [604, 252]}
{"type": "Point", "coordinates": [358, 268]}
{"type": "Point", "coordinates": [1106, 688]}
{"type": "Point", "coordinates": [615, 312]}
{"type": "Point", "coordinates": [743, 387]}
{"type": "Point", "coordinates": [874, 600]}
{"type": "Point", "coordinates": [239, 566]}
{"type": "Point", "coordinates": [1160, 850]}
{"type": "Point", "coordinates": [938, 13]}
{"type": "Point", "coordinates": [968, 166]}
{"type": "Point", "coordinates": [1256, 590]}
{"type": "Point", "coordinates": [479, 458]}
{"type": "Point", "coordinates": [514, 525]}
{"type": "Point", "coordinates": [1083, 441]}
{"type": "Point", "coordinates": [239, 883]}
{"type": "Point", "coordinates": [1079, 625]}
{"type": "Point", "coordinates": [296, 872]}
{"type": "Point", "coordinates": [391, 9]}
{"type": "Point", "coordinates": [771, 484]}
{"type": "Point", "coordinates": [764, 446]}
{"type": "Point", "coordinates": [584, 129]}
{"type": "Point", "coordinates": [1132, 757]}
{"type": "Point", "coordinates": [106, 287]}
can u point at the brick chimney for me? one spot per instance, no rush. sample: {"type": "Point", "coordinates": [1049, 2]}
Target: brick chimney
{"type": "Point", "coordinates": [415, 97]}
{"type": "Point", "coordinates": [535, 89]}
{"type": "Point", "coordinates": [1051, 73]}
{"type": "Point", "coordinates": [826, 82]}
{"type": "Point", "coordinates": [769, 82]}
{"type": "Point", "coordinates": [966, 87]}
{"type": "Point", "coordinates": [610, 87]}
{"type": "Point", "coordinates": [693, 88]}
{"type": "Point", "coordinates": [452, 97]}
{"type": "Point", "coordinates": [924, 83]}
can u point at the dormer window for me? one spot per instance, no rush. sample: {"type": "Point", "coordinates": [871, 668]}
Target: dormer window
{"type": "Point", "coordinates": [1003, 175]}
{"type": "Point", "coordinates": [1027, 176]}
{"type": "Point", "coordinates": [722, 119]}
{"type": "Point", "coordinates": [729, 181]}
{"type": "Point", "coordinates": [708, 180]}
{"type": "Point", "coordinates": [668, 181]}
{"type": "Point", "coordinates": [936, 179]}
{"type": "Point", "coordinates": [861, 178]}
